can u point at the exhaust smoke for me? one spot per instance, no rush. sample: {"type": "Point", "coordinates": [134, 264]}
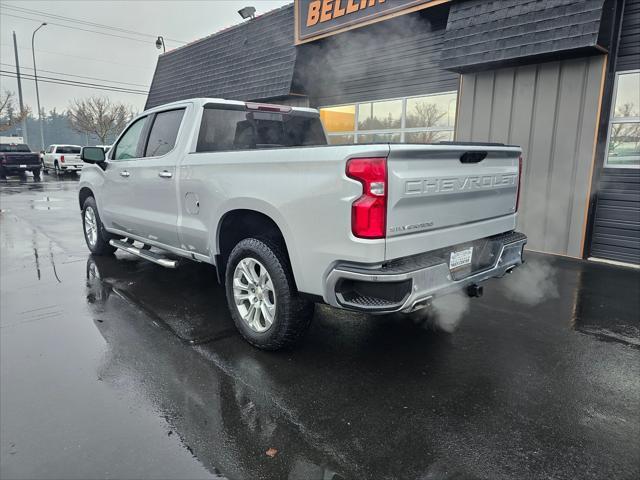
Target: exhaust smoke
{"type": "Point", "coordinates": [532, 283]}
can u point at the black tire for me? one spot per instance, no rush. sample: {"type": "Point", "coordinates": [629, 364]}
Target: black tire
{"type": "Point", "coordinates": [293, 314]}
{"type": "Point", "coordinates": [37, 176]}
{"type": "Point", "coordinates": [101, 245]}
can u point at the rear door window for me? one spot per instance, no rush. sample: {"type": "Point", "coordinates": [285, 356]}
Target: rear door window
{"type": "Point", "coordinates": [164, 133]}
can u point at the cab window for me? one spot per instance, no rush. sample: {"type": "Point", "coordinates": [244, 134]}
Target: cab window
{"type": "Point", "coordinates": [127, 147]}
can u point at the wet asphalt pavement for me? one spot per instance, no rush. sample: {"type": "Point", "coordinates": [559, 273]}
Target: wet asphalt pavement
{"type": "Point", "coordinates": [117, 368]}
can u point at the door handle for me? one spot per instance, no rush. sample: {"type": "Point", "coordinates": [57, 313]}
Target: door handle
{"type": "Point", "coordinates": [124, 173]}
{"type": "Point", "coordinates": [165, 174]}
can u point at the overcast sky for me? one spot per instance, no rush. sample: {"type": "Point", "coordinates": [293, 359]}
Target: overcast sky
{"type": "Point", "coordinates": [105, 58]}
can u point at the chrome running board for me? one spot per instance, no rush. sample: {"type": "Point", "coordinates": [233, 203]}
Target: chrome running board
{"type": "Point", "coordinates": [144, 253]}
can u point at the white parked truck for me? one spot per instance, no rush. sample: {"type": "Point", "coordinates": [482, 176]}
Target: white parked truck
{"type": "Point", "coordinates": [288, 220]}
{"type": "Point", "coordinates": [62, 159]}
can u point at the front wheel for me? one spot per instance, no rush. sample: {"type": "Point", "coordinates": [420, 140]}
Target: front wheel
{"type": "Point", "coordinates": [95, 235]}
{"type": "Point", "coordinates": [262, 298]}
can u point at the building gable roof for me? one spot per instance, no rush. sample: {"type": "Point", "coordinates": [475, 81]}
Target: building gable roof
{"type": "Point", "coordinates": [250, 61]}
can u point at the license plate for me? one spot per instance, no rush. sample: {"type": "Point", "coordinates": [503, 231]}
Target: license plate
{"type": "Point", "coordinates": [461, 258]}
{"type": "Point", "coordinates": [23, 166]}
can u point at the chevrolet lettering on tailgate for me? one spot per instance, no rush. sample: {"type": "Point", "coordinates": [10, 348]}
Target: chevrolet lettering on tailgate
{"type": "Point", "coordinates": [434, 185]}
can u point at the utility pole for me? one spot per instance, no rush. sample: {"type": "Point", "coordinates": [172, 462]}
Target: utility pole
{"type": "Point", "coordinates": [35, 76]}
{"type": "Point", "coordinates": [24, 118]}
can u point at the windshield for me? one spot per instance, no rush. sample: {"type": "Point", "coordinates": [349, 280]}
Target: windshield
{"type": "Point", "coordinates": [14, 147]}
{"type": "Point", "coordinates": [68, 149]}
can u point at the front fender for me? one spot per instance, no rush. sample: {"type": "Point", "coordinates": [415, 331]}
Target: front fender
{"type": "Point", "coordinates": [92, 177]}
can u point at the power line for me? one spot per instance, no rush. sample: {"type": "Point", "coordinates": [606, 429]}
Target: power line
{"type": "Point", "coordinates": [77, 84]}
{"type": "Point", "coordinates": [78, 76]}
{"type": "Point", "coordinates": [74, 82]}
{"type": "Point", "coordinates": [84, 22]}
{"type": "Point", "coordinates": [76, 56]}
{"type": "Point", "coordinates": [78, 28]}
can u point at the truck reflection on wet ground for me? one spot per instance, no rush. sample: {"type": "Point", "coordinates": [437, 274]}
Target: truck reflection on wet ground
{"type": "Point", "coordinates": [187, 301]}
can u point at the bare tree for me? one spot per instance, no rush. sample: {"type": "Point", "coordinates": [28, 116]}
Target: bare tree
{"type": "Point", "coordinates": [624, 133]}
{"type": "Point", "coordinates": [425, 115]}
{"type": "Point", "coordinates": [99, 116]}
{"type": "Point", "coordinates": [8, 115]}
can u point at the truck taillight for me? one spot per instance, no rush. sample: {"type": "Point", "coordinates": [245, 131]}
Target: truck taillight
{"type": "Point", "coordinates": [519, 182]}
{"type": "Point", "coordinates": [61, 158]}
{"type": "Point", "coordinates": [369, 212]}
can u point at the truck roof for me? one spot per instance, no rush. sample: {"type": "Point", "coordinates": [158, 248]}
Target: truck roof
{"type": "Point", "coordinates": [202, 101]}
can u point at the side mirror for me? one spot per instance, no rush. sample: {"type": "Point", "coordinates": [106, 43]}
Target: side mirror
{"type": "Point", "coordinates": [92, 154]}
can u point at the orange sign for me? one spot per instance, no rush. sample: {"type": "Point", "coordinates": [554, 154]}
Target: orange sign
{"type": "Point", "coordinates": [320, 18]}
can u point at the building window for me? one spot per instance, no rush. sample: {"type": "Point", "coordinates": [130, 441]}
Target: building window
{"type": "Point", "coordinates": [623, 145]}
{"type": "Point", "coordinates": [423, 119]}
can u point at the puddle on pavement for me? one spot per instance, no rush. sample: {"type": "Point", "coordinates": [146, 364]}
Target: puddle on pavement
{"type": "Point", "coordinates": [607, 305]}
{"type": "Point", "coordinates": [187, 301]}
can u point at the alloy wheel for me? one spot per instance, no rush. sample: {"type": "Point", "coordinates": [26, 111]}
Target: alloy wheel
{"type": "Point", "coordinates": [254, 294]}
{"type": "Point", "coordinates": [90, 226]}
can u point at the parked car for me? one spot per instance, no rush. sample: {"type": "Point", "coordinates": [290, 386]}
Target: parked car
{"type": "Point", "coordinates": [288, 220]}
{"type": "Point", "coordinates": [62, 159]}
{"type": "Point", "coordinates": [16, 158]}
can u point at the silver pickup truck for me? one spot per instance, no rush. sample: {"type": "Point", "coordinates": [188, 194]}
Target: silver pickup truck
{"type": "Point", "coordinates": [288, 220]}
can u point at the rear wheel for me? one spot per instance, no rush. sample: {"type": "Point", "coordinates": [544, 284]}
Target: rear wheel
{"type": "Point", "coordinates": [262, 298]}
{"type": "Point", "coordinates": [95, 235]}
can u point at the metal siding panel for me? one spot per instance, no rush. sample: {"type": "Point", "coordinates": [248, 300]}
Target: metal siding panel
{"type": "Point", "coordinates": [569, 119]}
{"type": "Point", "coordinates": [465, 108]}
{"type": "Point", "coordinates": [553, 118]}
{"type": "Point", "coordinates": [520, 126]}
{"type": "Point", "coordinates": [629, 46]}
{"type": "Point", "coordinates": [616, 231]}
{"type": "Point", "coordinates": [502, 101]}
{"type": "Point", "coordinates": [540, 154]}
{"type": "Point", "coordinates": [482, 108]}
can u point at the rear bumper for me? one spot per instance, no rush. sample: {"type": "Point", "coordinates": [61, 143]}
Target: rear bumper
{"type": "Point", "coordinates": [21, 168]}
{"type": "Point", "coordinates": [410, 283]}
{"type": "Point", "coordinates": [70, 167]}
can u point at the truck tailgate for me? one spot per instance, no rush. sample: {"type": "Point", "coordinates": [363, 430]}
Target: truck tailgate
{"type": "Point", "coordinates": [18, 158]}
{"type": "Point", "coordinates": [440, 195]}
